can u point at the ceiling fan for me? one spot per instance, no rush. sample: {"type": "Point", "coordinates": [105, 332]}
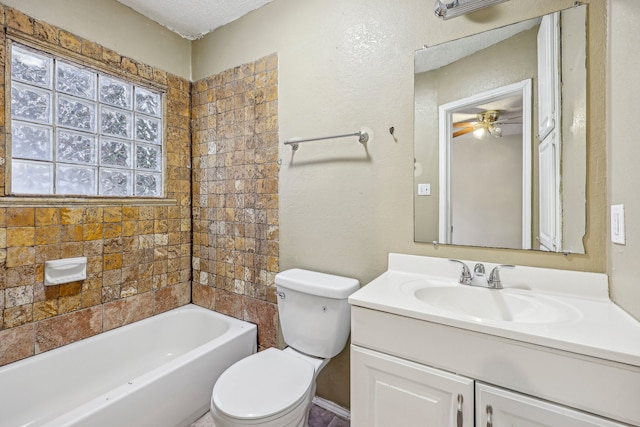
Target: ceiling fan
{"type": "Point", "coordinates": [486, 124]}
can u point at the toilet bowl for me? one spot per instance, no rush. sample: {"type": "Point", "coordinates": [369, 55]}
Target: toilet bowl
{"type": "Point", "coordinates": [276, 387]}
{"type": "Point", "coordinates": [270, 388]}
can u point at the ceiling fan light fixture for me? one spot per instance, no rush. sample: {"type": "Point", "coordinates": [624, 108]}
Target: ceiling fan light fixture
{"type": "Point", "coordinates": [485, 125]}
{"type": "Point", "coordinates": [495, 131]}
{"type": "Point", "coordinates": [488, 116]}
{"type": "Point", "coordinates": [480, 133]}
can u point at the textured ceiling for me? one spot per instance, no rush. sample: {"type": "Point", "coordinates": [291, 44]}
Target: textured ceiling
{"type": "Point", "coordinates": [193, 19]}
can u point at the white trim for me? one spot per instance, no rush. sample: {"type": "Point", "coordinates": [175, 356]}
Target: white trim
{"type": "Point", "coordinates": [445, 113]}
{"type": "Point", "coordinates": [549, 131]}
{"type": "Point", "coordinates": [444, 153]}
{"type": "Point", "coordinates": [526, 164]}
{"type": "Point", "coordinates": [332, 407]}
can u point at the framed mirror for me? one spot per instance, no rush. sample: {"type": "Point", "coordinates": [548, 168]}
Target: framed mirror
{"type": "Point", "coordinates": [500, 137]}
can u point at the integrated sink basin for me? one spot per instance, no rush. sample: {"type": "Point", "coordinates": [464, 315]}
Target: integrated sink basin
{"type": "Point", "coordinates": [490, 305]}
{"type": "Point", "coordinates": [559, 309]}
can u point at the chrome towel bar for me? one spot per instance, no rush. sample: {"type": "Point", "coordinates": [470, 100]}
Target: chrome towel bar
{"type": "Point", "coordinates": [362, 138]}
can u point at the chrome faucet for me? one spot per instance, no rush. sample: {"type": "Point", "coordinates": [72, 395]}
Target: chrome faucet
{"type": "Point", "coordinates": [465, 276]}
{"type": "Point", "coordinates": [479, 277]}
{"type": "Point", "coordinates": [494, 278]}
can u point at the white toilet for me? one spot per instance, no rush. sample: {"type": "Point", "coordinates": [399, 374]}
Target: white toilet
{"type": "Point", "coordinates": [275, 387]}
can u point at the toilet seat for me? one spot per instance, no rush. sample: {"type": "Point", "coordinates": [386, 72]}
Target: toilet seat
{"type": "Point", "coordinates": [263, 385]}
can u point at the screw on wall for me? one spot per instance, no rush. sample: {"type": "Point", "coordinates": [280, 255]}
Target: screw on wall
{"type": "Point", "coordinates": [392, 131]}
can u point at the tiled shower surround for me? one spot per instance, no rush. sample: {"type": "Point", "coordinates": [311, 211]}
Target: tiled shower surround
{"type": "Point", "coordinates": [140, 259]}
{"type": "Point", "coordinates": [139, 254]}
{"type": "Point", "coordinates": [235, 194]}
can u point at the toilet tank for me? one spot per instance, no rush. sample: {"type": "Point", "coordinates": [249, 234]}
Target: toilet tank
{"type": "Point", "coordinates": [315, 316]}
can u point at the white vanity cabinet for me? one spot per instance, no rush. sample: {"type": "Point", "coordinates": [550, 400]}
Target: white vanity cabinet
{"type": "Point", "coordinates": [549, 349]}
{"type": "Point", "coordinates": [498, 407]}
{"type": "Point", "coordinates": [410, 372]}
{"type": "Point", "coordinates": [390, 391]}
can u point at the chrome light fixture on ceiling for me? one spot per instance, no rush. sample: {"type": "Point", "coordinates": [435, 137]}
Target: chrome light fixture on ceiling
{"type": "Point", "coordinates": [447, 9]}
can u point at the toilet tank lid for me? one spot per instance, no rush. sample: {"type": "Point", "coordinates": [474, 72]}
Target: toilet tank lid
{"type": "Point", "coordinates": [315, 283]}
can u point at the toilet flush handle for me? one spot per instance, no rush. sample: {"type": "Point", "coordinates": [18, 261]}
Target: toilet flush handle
{"type": "Point", "coordinates": [280, 294]}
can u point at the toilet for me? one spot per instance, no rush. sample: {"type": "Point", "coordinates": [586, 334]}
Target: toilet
{"type": "Point", "coordinates": [275, 387]}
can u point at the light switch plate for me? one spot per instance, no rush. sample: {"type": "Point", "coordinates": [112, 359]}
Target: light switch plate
{"type": "Point", "coordinates": [617, 224]}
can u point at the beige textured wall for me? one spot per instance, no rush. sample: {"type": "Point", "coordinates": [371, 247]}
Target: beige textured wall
{"type": "Point", "coordinates": [624, 150]}
{"type": "Point", "coordinates": [116, 27]}
{"type": "Point", "coordinates": [349, 63]}
{"type": "Point", "coordinates": [426, 153]}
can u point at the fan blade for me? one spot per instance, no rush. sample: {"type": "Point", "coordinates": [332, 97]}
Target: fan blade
{"type": "Point", "coordinates": [509, 119]}
{"type": "Point", "coordinates": [463, 124]}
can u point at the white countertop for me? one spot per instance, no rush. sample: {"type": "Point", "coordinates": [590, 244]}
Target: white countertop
{"type": "Point", "coordinates": [597, 327]}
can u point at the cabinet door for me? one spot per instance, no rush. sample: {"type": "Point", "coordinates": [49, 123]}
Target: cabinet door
{"type": "Point", "coordinates": [496, 407]}
{"type": "Point", "coordinates": [389, 391]}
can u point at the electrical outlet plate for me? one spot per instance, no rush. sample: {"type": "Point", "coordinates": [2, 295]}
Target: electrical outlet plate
{"type": "Point", "coordinates": [424, 189]}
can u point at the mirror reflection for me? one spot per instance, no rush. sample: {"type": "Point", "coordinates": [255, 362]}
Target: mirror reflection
{"type": "Point", "coordinates": [500, 137]}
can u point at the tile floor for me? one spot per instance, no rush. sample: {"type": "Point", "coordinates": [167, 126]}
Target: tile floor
{"type": "Point", "coordinates": [318, 417]}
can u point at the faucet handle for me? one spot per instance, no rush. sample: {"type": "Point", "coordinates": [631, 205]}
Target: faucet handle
{"type": "Point", "coordinates": [494, 276]}
{"type": "Point", "coordinates": [465, 276]}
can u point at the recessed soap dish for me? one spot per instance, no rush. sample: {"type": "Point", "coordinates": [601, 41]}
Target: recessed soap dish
{"type": "Point", "coordinates": [66, 270]}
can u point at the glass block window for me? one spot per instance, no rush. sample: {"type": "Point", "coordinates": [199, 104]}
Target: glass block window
{"type": "Point", "coordinates": [78, 131]}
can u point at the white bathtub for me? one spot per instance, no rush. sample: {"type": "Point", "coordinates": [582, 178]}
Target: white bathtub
{"type": "Point", "coordinates": [156, 372]}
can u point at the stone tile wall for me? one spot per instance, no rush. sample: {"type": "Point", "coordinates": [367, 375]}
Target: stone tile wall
{"type": "Point", "coordinates": [235, 194]}
{"type": "Point", "coordinates": [139, 255]}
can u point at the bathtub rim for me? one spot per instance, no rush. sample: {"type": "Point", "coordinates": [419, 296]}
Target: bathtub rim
{"type": "Point", "coordinates": [235, 328]}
